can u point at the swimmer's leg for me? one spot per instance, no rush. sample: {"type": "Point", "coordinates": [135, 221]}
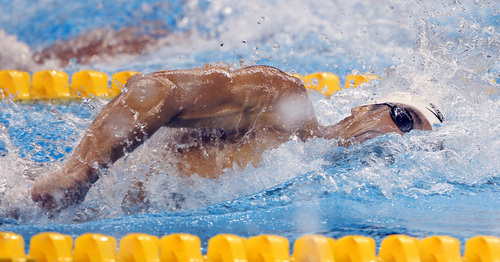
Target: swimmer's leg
{"type": "Point", "coordinates": [148, 102]}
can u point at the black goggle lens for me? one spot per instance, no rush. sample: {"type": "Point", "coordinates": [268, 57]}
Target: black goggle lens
{"type": "Point", "coordinates": [401, 117]}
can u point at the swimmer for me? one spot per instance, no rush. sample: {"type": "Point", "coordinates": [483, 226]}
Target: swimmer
{"type": "Point", "coordinates": [234, 115]}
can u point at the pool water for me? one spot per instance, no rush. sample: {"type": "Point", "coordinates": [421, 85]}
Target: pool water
{"type": "Point", "coordinates": [425, 183]}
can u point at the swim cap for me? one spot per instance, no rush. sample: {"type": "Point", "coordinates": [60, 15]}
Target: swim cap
{"type": "Point", "coordinates": [431, 113]}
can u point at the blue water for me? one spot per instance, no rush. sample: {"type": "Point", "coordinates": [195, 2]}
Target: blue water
{"type": "Point", "coordinates": [426, 183]}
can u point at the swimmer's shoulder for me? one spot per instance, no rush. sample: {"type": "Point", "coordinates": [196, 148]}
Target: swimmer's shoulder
{"type": "Point", "coordinates": [197, 71]}
{"type": "Point", "coordinates": [272, 76]}
{"type": "Point", "coordinates": [267, 71]}
{"type": "Point", "coordinates": [258, 75]}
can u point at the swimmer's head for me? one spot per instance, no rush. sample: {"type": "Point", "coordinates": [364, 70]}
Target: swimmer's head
{"type": "Point", "coordinates": [398, 112]}
{"type": "Point", "coordinates": [428, 110]}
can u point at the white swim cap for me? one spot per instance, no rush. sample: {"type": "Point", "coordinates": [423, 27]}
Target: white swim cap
{"type": "Point", "coordinates": [431, 113]}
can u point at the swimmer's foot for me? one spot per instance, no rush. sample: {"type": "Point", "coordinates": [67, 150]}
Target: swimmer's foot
{"type": "Point", "coordinates": [60, 190]}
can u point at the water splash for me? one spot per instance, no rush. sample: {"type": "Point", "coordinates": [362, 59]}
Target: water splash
{"type": "Point", "coordinates": [445, 51]}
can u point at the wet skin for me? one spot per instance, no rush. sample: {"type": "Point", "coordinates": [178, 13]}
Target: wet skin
{"type": "Point", "coordinates": [236, 114]}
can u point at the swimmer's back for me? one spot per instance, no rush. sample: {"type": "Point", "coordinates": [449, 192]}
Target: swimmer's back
{"type": "Point", "coordinates": [234, 100]}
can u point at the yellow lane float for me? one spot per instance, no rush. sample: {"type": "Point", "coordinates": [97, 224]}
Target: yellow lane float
{"type": "Point", "coordinates": [53, 84]}
{"type": "Point", "coordinates": [140, 247]}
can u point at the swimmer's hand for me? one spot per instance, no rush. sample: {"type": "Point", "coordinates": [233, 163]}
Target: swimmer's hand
{"type": "Point", "coordinates": [61, 189]}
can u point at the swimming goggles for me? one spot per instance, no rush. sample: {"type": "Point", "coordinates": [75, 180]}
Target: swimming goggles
{"type": "Point", "coordinates": [401, 117]}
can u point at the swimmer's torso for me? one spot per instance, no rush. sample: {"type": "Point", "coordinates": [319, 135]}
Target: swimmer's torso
{"type": "Point", "coordinates": [207, 152]}
{"type": "Point", "coordinates": [242, 114]}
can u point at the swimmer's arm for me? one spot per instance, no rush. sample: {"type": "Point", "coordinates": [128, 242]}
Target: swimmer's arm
{"type": "Point", "coordinates": [123, 124]}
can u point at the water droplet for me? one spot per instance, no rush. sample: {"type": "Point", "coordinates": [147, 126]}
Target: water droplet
{"type": "Point", "coordinates": [243, 41]}
{"type": "Point", "coordinates": [326, 38]}
{"type": "Point", "coordinates": [261, 18]}
{"type": "Point", "coordinates": [490, 30]}
{"type": "Point", "coordinates": [228, 10]}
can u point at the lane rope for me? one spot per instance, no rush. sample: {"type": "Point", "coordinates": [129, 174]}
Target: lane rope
{"type": "Point", "coordinates": [140, 247]}
{"type": "Point", "coordinates": [54, 84]}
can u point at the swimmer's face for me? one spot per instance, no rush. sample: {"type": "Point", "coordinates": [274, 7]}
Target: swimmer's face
{"type": "Point", "coordinates": [369, 121]}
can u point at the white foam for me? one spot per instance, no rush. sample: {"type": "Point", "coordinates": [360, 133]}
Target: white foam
{"type": "Point", "coordinates": [428, 56]}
